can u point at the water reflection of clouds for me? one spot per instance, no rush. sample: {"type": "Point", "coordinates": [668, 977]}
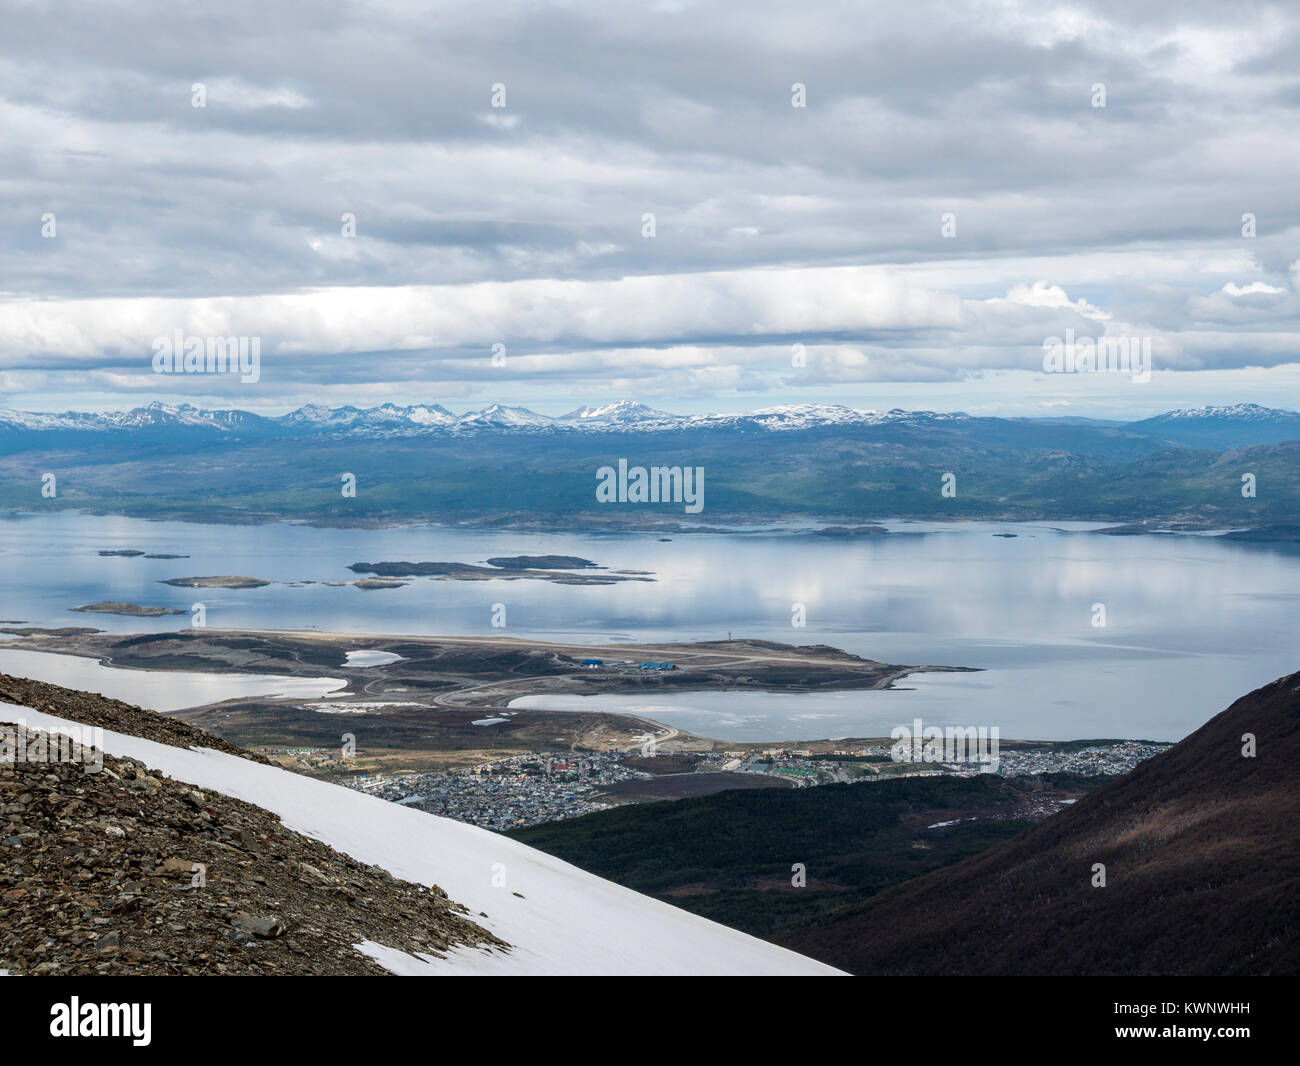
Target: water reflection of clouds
{"type": "Point", "coordinates": [1192, 620]}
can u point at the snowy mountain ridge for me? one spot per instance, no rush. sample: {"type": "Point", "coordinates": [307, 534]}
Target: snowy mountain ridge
{"type": "Point", "coordinates": [624, 416]}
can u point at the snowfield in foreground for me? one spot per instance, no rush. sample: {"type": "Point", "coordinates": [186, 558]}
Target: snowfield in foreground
{"type": "Point", "coordinates": [563, 920]}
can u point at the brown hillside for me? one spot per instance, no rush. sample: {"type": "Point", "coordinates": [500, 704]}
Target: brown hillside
{"type": "Point", "coordinates": [1202, 867]}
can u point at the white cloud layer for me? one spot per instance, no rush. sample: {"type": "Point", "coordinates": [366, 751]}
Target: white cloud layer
{"type": "Point", "coordinates": [523, 225]}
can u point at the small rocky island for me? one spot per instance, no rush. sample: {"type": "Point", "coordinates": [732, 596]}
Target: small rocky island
{"type": "Point", "coordinates": [542, 562]}
{"type": "Point", "coordinates": [135, 553]}
{"type": "Point", "coordinates": [555, 568]}
{"type": "Point", "coordinates": [134, 609]}
{"type": "Point", "coordinates": [216, 582]}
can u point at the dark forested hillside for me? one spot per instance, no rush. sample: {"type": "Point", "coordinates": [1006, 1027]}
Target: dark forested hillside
{"type": "Point", "coordinates": [1202, 867]}
{"type": "Point", "coordinates": [730, 856]}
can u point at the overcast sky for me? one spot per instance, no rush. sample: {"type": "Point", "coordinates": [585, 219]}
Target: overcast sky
{"type": "Point", "coordinates": [774, 225]}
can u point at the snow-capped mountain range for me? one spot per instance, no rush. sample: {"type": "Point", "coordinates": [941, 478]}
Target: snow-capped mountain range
{"type": "Point", "coordinates": [1237, 412]}
{"type": "Point", "coordinates": [389, 419]}
{"type": "Point", "coordinates": [392, 419]}
{"type": "Point", "coordinates": [624, 416]}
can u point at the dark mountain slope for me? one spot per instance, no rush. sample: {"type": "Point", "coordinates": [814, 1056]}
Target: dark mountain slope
{"type": "Point", "coordinates": [729, 856]}
{"type": "Point", "coordinates": [1202, 860]}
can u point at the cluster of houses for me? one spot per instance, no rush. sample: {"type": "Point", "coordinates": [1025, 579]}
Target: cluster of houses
{"type": "Point", "coordinates": [518, 790]}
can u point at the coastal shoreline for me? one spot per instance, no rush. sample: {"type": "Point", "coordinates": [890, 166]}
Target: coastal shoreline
{"type": "Point", "coordinates": [450, 684]}
{"type": "Point", "coordinates": [795, 523]}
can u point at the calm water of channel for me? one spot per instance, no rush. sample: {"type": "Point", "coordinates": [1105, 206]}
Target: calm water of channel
{"type": "Point", "coordinates": [1191, 622]}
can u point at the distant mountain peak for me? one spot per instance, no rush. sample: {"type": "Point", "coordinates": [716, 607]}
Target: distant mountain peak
{"type": "Point", "coordinates": [1222, 426]}
{"type": "Point", "coordinates": [501, 416]}
{"type": "Point", "coordinates": [618, 412]}
{"type": "Point", "coordinates": [1237, 411]}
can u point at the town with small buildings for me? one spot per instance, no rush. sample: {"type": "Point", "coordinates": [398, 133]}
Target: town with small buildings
{"type": "Point", "coordinates": [529, 789]}
{"type": "Point", "coordinates": [508, 793]}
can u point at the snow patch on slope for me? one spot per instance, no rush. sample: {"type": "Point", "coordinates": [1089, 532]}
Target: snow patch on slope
{"type": "Point", "coordinates": [558, 919]}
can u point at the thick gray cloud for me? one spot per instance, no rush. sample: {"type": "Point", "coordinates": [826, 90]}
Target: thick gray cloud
{"type": "Point", "coordinates": [314, 110]}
